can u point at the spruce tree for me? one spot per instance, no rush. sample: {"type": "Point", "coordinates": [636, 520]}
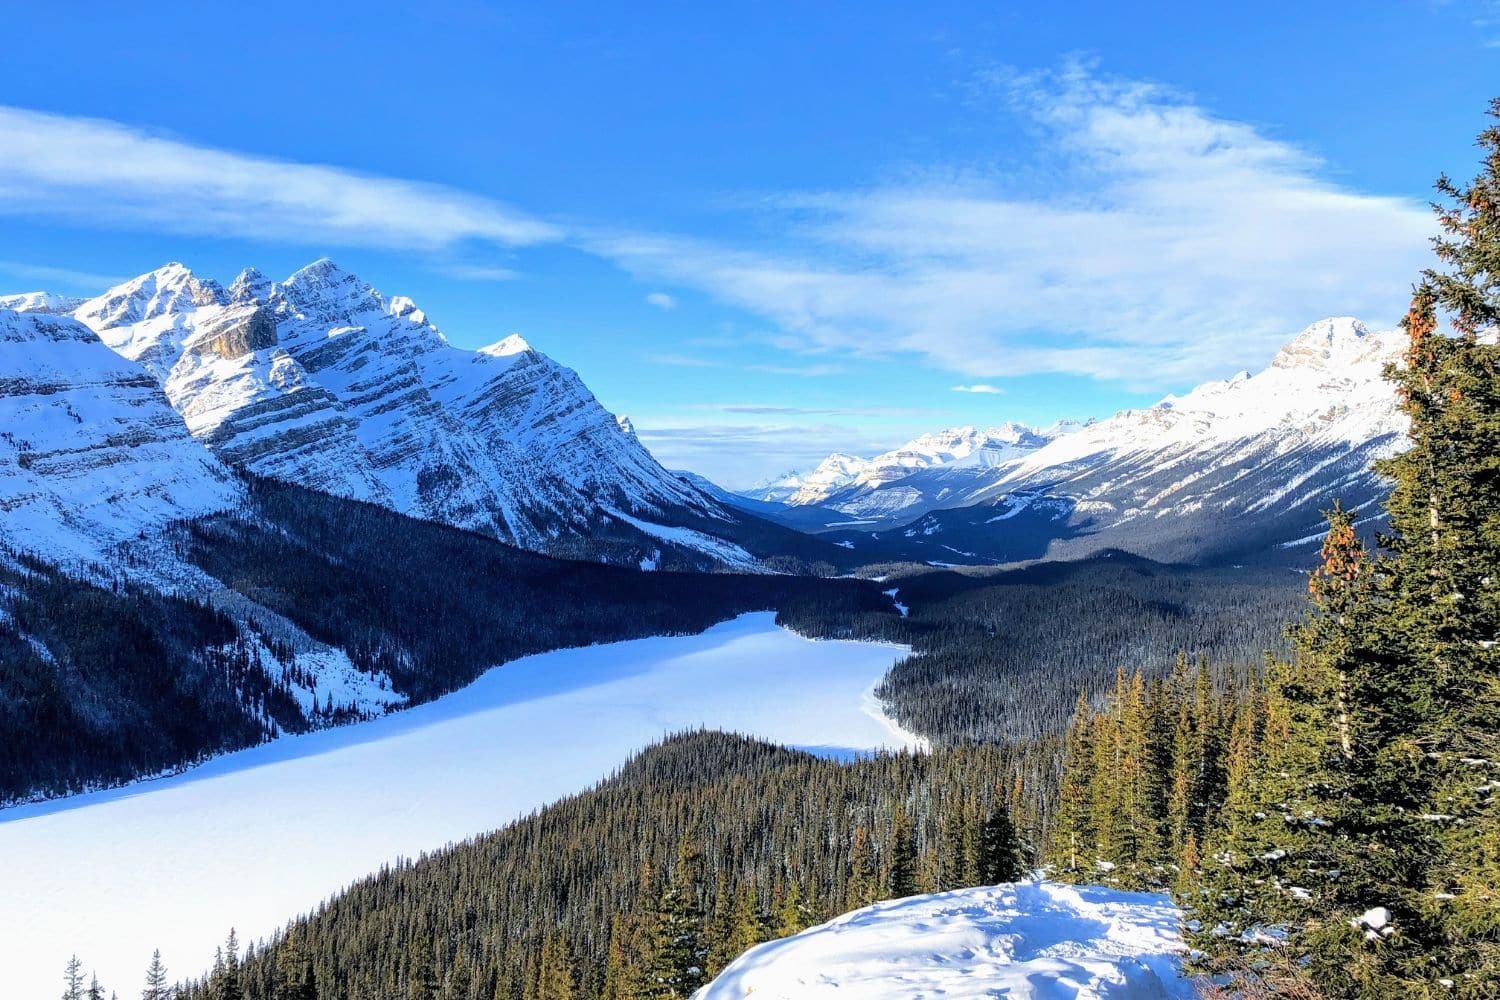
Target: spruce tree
{"type": "Point", "coordinates": [555, 973]}
{"type": "Point", "coordinates": [903, 857]}
{"type": "Point", "coordinates": [73, 980]}
{"type": "Point", "coordinates": [156, 980]}
{"type": "Point", "coordinates": [1071, 851]}
{"type": "Point", "coordinates": [1000, 854]}
{"type": "Point", "coordinates": [1442, 581]}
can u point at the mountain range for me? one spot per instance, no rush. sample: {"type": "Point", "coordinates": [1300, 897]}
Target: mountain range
{"type": "Point", "coordinates": [1234, 469]}
{"type": "Point", "coordinates": [322, 381]}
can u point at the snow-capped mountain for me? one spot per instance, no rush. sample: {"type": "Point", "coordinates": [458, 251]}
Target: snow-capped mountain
{"type": "Point", "coordinates": [40, 302]}
{"type": "Point", "coordinates": [322, 380]}
{"type": "Point", "coordinates": [879, 487]}
{"type": "Point", "coordinates": [1232, 466]}
{"type": "Point", "coordinates": [91, 453]}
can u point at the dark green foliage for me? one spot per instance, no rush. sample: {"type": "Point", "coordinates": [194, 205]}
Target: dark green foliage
{"type": "Point", "coordinates": [102, 683]}
{"type": "Point", "coordinates": [1114, 819]}
{"type": "Point", "coordinates": [695, 850]}
{"type": "Point", "coordinates": [1366, 835]}
{"type": "Point", "coordinates": [1002, 655]}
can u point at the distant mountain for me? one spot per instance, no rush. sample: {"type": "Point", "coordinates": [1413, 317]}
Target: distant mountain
{"type": "Point", "coordinates": [1232, 469]}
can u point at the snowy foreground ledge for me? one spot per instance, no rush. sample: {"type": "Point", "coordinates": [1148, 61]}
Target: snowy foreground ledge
{"type": "Point", "coordinates": [1028, 939]}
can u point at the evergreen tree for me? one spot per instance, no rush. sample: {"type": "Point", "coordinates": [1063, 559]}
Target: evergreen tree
{"type": "Point", "coordinates": [862, 883]}
{"type": "Point", "coordinates": [903, 857]}
{"type": "Point", "coordinates": [1000, 857]}
{"type": "Point", "coordinates": [156, 980]}
{"type": "Point", "coordinates": [293, 979]}
{"type": "Point", "coordinates": [73, 980]}
{"type": "Point", "coordinates": [1072, 846]}
{"type": "Point", "coordinates": [95, 991]}
{"type": "Point", "coordinates": [556, 974]}
{"type": "Point", "coordinates": [1443, 612]}
{"type": "Point", "coordinates": [679, 953]}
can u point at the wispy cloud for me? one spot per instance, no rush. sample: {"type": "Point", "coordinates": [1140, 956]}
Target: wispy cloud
{"type": "Point", "coordinates": [683, 361]}
{"type": "Point", "coordinates": [85, 281]}
{"type": "Point", "coordinates": [981, 388]}
{"type": "Point", "coordinates": [104, 172]}
{"type": "Point", "coordinates": [479, 272]}
{"type": "Point", "coordinates": [1170, 245]}
{"type": "Point", "coordinates": [797, 371]}
{"type": "Point", "coordinates": [661, 300]}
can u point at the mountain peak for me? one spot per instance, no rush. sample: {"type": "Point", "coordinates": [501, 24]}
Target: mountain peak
{"type": "Point", "coordinates": [1338, 337]}
{"type": "Point", "coordinates": [248, 286]}
{"type": "Point", "coordinates": [171, 288]}
{"type": "Point", "coordinates": [506, 346]}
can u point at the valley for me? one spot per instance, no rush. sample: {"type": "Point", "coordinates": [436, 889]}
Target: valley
{"type": "Point", "coordinates": [254, 836]}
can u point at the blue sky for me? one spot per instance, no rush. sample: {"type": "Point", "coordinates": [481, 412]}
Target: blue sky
{"type": "Point", "coordinates": [767, 231]}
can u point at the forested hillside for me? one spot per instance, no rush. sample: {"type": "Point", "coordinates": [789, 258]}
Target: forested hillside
{"type": "Point", "coordinates": [106, 680]}
{"type": "Point", "coordinates": [1002, 655]}
{"type": "Point", "coordinates": [648, 884]}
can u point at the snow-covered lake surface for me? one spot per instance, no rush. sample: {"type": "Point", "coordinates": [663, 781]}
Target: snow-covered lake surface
{"type": "Point", "coordinates": [1025, 941]}
{"type": "Point", "coordinates": [253, 838]}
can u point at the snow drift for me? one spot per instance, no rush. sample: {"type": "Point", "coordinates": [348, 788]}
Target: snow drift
{"type": "Point", "coordinates": [1028, 939]}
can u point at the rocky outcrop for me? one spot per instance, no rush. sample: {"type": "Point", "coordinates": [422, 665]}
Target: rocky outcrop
{"type": "Point", "coordinates": [323, 381]}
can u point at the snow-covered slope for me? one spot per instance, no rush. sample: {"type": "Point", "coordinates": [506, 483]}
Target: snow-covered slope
{"type": "Point", "coordinates": [1030, 939]}
{"type": "Point", "coordinates": [877, 487]}
{"type": "Point", "coordinates": [91, 454]}
{"type": "Point", "coordinates": [39, 302]}
{"type": "Point", "coordinates": [322, 380]}
{"type": "Point", "coordinates": [1232, 465]}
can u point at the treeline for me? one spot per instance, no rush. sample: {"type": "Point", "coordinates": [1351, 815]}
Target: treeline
{"type": "Point", "coordinates": [647, 885]}
{"type": "Point", "coordinates": [1002, 655]}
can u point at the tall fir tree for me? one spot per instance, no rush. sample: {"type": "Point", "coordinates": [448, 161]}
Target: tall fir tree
{"type": "Point", "coordinates": [1442, 581]}
{"type": "Point", "coordinates": [156, 980]}
{"type": "Point", "coordinates": [73, 980]}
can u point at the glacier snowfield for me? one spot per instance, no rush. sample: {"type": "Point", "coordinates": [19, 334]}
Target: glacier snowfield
{"type": "Point", "coordinates": [255, 837]}
{"type": "Point", "coordinates": [1024, 941]}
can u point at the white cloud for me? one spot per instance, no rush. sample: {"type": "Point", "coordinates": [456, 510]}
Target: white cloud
{"type": "Point", "coordinates": [103, 172]}
{"type": "Point", "coordinates": [86, 281]}
{"type": "Point", "coordinates": [661, 300]}
{"type": "Point", "coordinates": [1170, 245]}
{"type": "Point", "coordinates": [981, 388]}
{"type": "Point", "coordinates": [478, 272]}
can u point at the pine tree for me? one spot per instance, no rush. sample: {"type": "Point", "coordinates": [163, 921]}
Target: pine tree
{"type": "Point", "coordinates": [95, 991]}
{"type": "Point", "coordinates": [156, 980]}
{"type": "Point", "coordinates": [1000, 856]}
{"type": "Point", "coordinates": [73, 980]}
{"type": "Point", "coordinates": [556, 974]}
{"type": "Point", "coordinates": [902, 880]}
{"type": "Point", "coordinates": [679, 952]}
{"type": "Point", "coordinates": [1443, 612]}
{"type": "Point", "coordinates": [294, 973]}
{"type": "Point", "coordinates": [1073, 837]}
{"type": "Point", "coordinates": [862, 883]}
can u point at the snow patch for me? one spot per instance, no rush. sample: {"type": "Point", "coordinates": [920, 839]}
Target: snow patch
{"type": "Point", "coordinates": [1024, 940]}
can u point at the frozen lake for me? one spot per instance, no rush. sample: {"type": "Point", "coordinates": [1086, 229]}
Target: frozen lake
{"type": "Point", "coordinates": [255, 837]}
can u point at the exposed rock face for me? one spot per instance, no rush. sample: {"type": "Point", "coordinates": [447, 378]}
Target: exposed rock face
{"type": "Point", "coordinates": [323, 381]}
{"type": "Point", "coordinates": [91, 453]}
